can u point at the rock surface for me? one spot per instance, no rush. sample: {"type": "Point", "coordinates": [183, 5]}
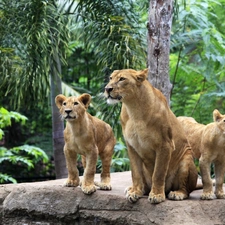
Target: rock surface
{"type": "Point", "coordinates": [49, 203]}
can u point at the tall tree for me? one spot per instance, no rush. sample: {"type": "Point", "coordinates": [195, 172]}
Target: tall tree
{"type": "Point", "coordinates": [37, 32]}
{"type": "Point", "coordinates": [159, 27]}
{"type": "Point", "coordinates": [57, 124]}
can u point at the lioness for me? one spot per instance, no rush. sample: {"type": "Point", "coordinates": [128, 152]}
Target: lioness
{"type": "Point", "coordinates": [160, 156]}
{"type": "Point", "coordinates": [208, 144]}
{"type": "Point", "coordinates": [88, 136]}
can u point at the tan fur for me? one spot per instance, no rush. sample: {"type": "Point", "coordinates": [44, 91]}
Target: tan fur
{"type": "Point", "coordinates": [88, 136]}
{"type": "Point", "coordinates": [208, 144]}
{"type": "Point", "coordinates": [160, 156]}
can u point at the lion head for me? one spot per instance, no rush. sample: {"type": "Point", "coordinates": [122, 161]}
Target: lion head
{"type": "Point", "coordinates": [72, 107]}
{"type": "Point", "coordinates": [122, 83]}
{"type": "Point", "coordinates": [219, 119]}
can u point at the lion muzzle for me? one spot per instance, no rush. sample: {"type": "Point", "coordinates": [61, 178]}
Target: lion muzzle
{"type": "Point", "coordinates": [111, 99]}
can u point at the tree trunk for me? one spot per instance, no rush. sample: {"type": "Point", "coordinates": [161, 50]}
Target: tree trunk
{"type": "Point", "coordinates": [159, 27]}
{"type": "Point", "coordinates": [57, 123]}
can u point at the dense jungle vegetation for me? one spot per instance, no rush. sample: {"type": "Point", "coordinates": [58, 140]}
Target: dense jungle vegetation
{"type": "Point", "coordinates": [85, 41]}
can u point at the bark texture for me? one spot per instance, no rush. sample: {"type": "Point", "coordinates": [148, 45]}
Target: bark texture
{"type": "Point", "coordinates": [57, 123]}
{"type": "Point", "coordinates": [159, 28]}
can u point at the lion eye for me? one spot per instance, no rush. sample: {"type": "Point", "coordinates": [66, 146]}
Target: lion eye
{"type": "Point", "coordinates": [75, 103]}
{"type": "Point", "coordinates": [64, 103]}
{"type": "Point", "coordinates": [122, 78]}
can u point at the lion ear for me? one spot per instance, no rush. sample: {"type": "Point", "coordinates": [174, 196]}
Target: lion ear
{"type": "Point", "coordinates": [142, 75]}
{"type": "Point", "coordinates": [85, 99]}
{"type": "Point", "coordinates": [59, 99]}
{"type": "Point", "coordinates": [216, 115]}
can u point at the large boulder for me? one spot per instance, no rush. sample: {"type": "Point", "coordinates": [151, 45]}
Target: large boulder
{"type": "Point", "coordinates": [49, 203]}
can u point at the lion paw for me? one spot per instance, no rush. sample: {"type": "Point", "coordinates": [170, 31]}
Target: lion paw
{"type": "Point", "coordinates": [154, 199]}
{"type": "Point", "coordinates": [177, 195]}
{"type": "Point", "coordinates": [220, 195]}
{"type": "Point", "coordinates": [207, 195]}
{"type": "Point", "coordinates": [88, 189]}
{"type": "Point", "coordinates": [103, 186]}
{"type": "Point", "coordinates": [71, 183]}
{"type": "Point", "coordinates": [132, 196]}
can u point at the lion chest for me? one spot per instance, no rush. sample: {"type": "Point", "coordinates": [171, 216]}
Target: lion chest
{"type": "Point", "coordinates": [213, 144]}
{"type": "Point", "coordinates": [80, 143]}
{"type": "Point", "coordinates": [139, 136]}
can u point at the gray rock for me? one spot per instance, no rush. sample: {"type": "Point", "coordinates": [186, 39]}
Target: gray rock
{"type": "Point", "coordinates": [49, 203]}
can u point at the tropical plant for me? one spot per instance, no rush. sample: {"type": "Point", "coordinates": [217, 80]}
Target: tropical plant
{"type": "Point", "coordinates": [120, 160]}
{"type": "Point", "coordinates": [111, 29]}
{"type": "Point", "coordinates": [105, 35]}
{"type": "Point", "coordinates": [36, 32]}
{"type": "Point", "coordinates": [25, 154]}
{"type": "Point", "coordinates": [35, 35]}
{"type": "Point", "coordinates": [6, 119]}
{"type": "Point", "coordinates": [197, 60]}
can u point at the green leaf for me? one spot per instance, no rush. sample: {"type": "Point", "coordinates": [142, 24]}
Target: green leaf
{"type": "Point", "coordinates": [38, 153]}
{"type": "Point", "coordinates": [5, 178]}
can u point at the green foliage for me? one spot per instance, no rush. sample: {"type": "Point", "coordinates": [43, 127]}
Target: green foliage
{"type": "Point", "coordinates": [110, 28]}
{"type": "Point", "coordinates": [12, 157]}
{"type": "Point", "coordinates": [105, 35]}
{"type": "Point", "coordinates": [25, 154]}
{"type": "Point", "coordinates": [197, 60]}
{"type": "Point", "coordinates": [6, 178]}
{"type": "Point", "coordinates": [120, 160]}
{"type": "Point", "coordinates": [6, 117]}
{"type": "Point", "coordinates": [32, 31]}
{"type": "Point", "coordinates": [98, 37]}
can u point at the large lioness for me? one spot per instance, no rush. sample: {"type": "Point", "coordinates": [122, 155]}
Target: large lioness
{"type": "Point", "coordinates": [208, 144]}
{"type": "Point", "coordinates": [160, 156]}
{"type": "Point", "coordinates": [88, 136]}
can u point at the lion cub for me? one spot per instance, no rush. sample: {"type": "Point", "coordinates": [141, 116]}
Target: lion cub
{"type": "Point", "coordinates": [88, 136]}
{"type": "Point", "coordinates": [208, 144]}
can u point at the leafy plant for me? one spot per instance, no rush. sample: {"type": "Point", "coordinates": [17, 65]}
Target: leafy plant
{"type": "Point", "coordinates": [120, 161]}
{"type": "Point", "coordinates": [26, 155]}
{"type": "Point", "coordinates": [197, 60]}
{"type": "Point", "coordinates": [6, 117]}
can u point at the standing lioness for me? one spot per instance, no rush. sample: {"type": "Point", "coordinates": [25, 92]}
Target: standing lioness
{"type": "Point", "coordinates": [88, 136]}
{"type": "Point", "coordinates": [160, 156]}
{"type": "Point", "coordinates": [208, 144]}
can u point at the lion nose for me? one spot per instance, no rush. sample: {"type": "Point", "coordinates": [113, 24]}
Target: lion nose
{"type": "Point", "coordinates": [68, 111]}
{"type": "Point", "coordinates": [108, 89]}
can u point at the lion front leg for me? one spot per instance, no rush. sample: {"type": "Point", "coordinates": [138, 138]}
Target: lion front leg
{"type": "Point", "coordinates": [87, 184]}
{"type": "Point", "coordinates": [73, 174]}
{"type": "Point", "coordinates": [134, 192]}
{"type": "Point", "coordinates": [206, 179]}
{"type": "Point", "coordinates": [219, 172]}
{"type": "Point", "coordinates": [157, 193]}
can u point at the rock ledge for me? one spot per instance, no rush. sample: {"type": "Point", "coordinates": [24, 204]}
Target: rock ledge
{"type": "Point", "coordinates": [49, 203]}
